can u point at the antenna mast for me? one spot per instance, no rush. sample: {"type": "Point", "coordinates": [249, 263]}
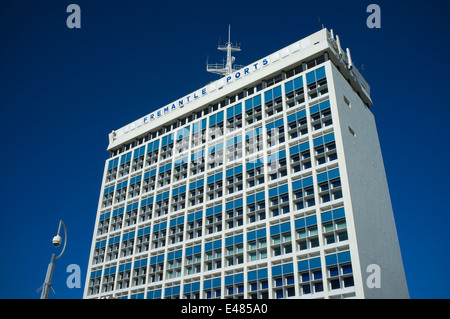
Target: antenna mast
{"type": "Point", "coordinates": [225, 68]}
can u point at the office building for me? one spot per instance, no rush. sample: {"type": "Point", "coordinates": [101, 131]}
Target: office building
{"type": "Point", "coordinates": [267, 183]}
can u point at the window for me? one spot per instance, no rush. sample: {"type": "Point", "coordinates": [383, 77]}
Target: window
{"type": "Point", "coordinates": [255, 173]}
{"type": "Point", "coordinates": [351, 131]}
{"type": "Point", "coordinates": [159, 235]}
{"type": "Point", "coordinates": [279, 200]}
{"type": "Point", "coordinates": [234, 148]}
{"type": "Point", "coordinates": [339, 268]}
{"type": "Point", "coordinates": [256, 207]}
{"type": "Point", "coordinates": [281, 239]}
{"type": "Point", "coordinates": [283, 281]}
{"type": "Point", "coordinates": [214, 186]}
{"type": "Point", "coordinates": [347, 102]}
{"type": "Point", "coordinates": [152, 152]}
{"type": "Point", "coordinates": [234, 286]}
{"type": "Point", "coordinates": [325, 149]}
{"type": "Point", "coordinates": [254, 141]}
{"type": "Point", "coordinates": [193, 259]}
{"type": "Point", "coordinates": [162, 204]}
{"type": "Point", "coordinates": [297, 124]}
{"type": "Point", "coordinates": [176, 230]}
{"type": "Point", "coordinates": [174, 259]}
{"type": "Point", "coordinates": [216, 126]}
{"type": "Point", "coordinates": [138, 159]}
{"type": "Point", "coordinates": [124, 167]}
{"type": "Point", "coordinates": [131, 214]}
{"type": "Point", "coordinates": [234, 248]}
{"type": "Point", "coordinates": [329, 186]}
{"type": "Point", "coordinates": [198, 162]}
{"type": "Point", "coordinates": [213, 255]}
{"type": "Point", "coordinates": [143, 240]}
{"type": "Point", "coordinates": [194, 225]}
{"type": "Point", "coordinates": [317, 83]}
{"type": "Point", "coordinates": [277, 165]}
{"type": "Point", "coordinates": [215, 155]}
{"type": "Point", "coordinates": [275, 132]}
{"type": "Point", "coordinates": [196, 192]}
{"type": "Point", "coordinates": [310, 276]}
{"type": "Point", "coordinates": [273, 101]}
{"type": "Point", "coordinates": [140, 272]}
{"type": "Point", "coordinates": [156, 268]}
{"type": "Point", "coordinates": [253, 110]}
{"type": "Point", "coordinates": [117, 219]}
{"type": "Point", "coordinates": [234, 117]}
{"type": "Point", "coordinates": [257, 245]}
{"type": "Point", "coordinates": [294, 91]}
{"type": "Point", "coordinates": [234, 179]}
{"type": "Point", "coordinates": [182, 140]}
{"type": "Point", "coordinates": [306, 233]}
{"type": "Point", "coordinates": [234, 213]}
{"type": "Point", "coordinates": [303, 193]}
{"type": "Point", "coordinates": [321, 115]}
{"type": "Point", "coordinates": [146, 209]}
{"type": "Point", "coordinates": [300, 157]}
{"type": "Point", "coordinates": [123, 276]}
{"type": "Point", "coordinates": [213, 219]}
{"type": "Point", "coordinates": [258, 284]}
{"type": "Point", "coordinates": [166, 147]}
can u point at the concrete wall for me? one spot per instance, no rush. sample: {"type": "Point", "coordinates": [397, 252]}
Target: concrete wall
{"type": "Point", "coordinates": [374, 225]}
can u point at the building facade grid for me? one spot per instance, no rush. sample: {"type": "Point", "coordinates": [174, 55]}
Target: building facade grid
{"type": "Point", "coordinates": [242, 199]}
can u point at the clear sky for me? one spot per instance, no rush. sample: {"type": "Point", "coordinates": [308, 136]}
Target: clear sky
{"type": "Point", "coordinates": [63, 90]}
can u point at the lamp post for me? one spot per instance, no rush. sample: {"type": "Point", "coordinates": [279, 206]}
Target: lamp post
{"type": "Point", "coordinates": [51, 266]}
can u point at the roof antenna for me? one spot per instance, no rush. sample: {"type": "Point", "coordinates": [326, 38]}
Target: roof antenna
{"type": "Point", "coordinates": [225, 68]}
{"type": "Point", "coordinates": [318, 19]}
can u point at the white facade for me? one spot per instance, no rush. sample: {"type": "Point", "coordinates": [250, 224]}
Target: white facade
{"type": "Point", "coordinates": [185, 211]}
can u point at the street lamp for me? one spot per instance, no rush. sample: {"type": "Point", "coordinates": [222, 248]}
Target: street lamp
{"type": "Point", "coordinates": [57, 240]}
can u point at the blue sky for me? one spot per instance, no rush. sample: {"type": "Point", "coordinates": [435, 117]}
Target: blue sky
{"type": "Point", "coordinates": [63, 90]}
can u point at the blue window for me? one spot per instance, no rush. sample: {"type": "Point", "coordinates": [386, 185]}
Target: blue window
{"type": "Point", "coordinates": [168, 139]}
{"type": "Point", "coordinates": [234, 110]}
{"type": "Point", "coordinates": [253, 102]}
{"type": "Point", "coordinates": [315, 75]}
{"type": "Point", "coordinates": [319, 107]}
{"type": "Point", "coordinates": [182, 133]}
{"type": "Point", "coordinates": [155, 294]}
{"type": "Point", "coordinates": [272, 94]}
{"type": "Point", "coordinates": [216, 118]}
{"type": "Point", "coordinates": [113, 163]}
{"type": "Point", "coordinates": [139, 152]}
{"type": "Point", "coordinates": [293, 85]}
{"type": "Point", "coordinates": [199, 126]}
{"type": "Point", "coordinates": [323, 139]}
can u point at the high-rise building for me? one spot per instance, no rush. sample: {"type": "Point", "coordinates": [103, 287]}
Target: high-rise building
{"type": "Point", "coordinates": [267, 183]}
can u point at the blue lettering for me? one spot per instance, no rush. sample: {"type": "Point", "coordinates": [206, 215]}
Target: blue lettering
{"type": "Point", "coordinates": [180, 103]}
{"type": "Point", "coordinates": [187, 98]}
{"type": "Point", "coordinates": [237, 75]}
{"type": "Point", "coordinates": [158, 113]}
{"type": "Point", "coordinates": [152, 116]}
{"type": "Point", "coordinates": [246, 71]}
{"type": "Point", "coordinates": [195, 95]}
{"type": "Point", "coordinates": [204, 91]}
{"type": "Point", "coordinates": [256, 65]}
{"type": "Point", "coordinates": [166, 109]}
{"type": "Point", "coordinates": [145, 119]}
{"type": "Point", "coordinates": [173, 107]}
{"type": "Point", "coordinates": [228, 79]}
{"type": "Point", "coordinates": [265, 62]}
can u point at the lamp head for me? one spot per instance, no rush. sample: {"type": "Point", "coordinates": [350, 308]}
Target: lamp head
{"type": "Point", "coordinates": [57, 240]}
